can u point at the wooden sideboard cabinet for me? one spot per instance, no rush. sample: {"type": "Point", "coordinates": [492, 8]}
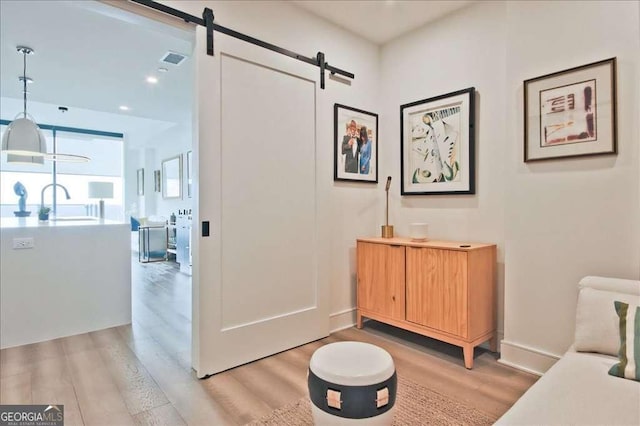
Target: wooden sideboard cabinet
{"type": "Point", "coordinates": [440, 289]}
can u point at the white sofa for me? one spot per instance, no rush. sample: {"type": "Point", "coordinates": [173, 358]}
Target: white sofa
{"type": "Point", "coordinates": [578, 390]}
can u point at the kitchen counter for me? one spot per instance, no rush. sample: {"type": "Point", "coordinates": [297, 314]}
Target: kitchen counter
{"type": "Point", "coordinates": [33, 222]}
{"type": "Point", "coordinates": [61, 278]}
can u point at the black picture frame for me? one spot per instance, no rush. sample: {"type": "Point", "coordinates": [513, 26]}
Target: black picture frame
{"type": "Point", "coordinates": [430, 127]}
{"type": "Point", "coordinates": [571, 113]}
{"type": "Point", "coordinates": [354, 165]}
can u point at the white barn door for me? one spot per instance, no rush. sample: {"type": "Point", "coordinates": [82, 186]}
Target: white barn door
{"type": "Point", "coordinates": [259, 290]}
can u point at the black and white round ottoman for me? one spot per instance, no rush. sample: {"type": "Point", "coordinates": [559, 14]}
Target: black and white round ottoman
{"type": "Point", "coordinates": [352, 383]}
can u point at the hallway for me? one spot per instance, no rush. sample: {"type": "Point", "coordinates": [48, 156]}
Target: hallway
{"type": "Point", "coordinates": [161, 305]}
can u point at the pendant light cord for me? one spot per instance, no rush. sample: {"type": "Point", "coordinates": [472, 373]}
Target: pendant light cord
{"type": "Point", "coordinates": [24, 81]}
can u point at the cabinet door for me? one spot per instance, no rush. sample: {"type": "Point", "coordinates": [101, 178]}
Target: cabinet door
{"type": "Point", "coordinates": [381, 279]}
{"type": "Point", "coordinates": [437, 289]}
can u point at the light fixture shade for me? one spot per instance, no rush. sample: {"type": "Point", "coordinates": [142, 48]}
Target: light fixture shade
{"type": "Point", "coordinates": [23, 137]}
{"type": "Point", "coordinates": [100, 190]}
{"type": "Point", "coordinates": [67, 158]}
{"type": "Point", "coordinates": [25, 159]}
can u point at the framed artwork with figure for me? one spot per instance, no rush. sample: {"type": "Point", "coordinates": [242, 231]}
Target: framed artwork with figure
{"type": "Point", "coordinates": [571, 113]}
{"type": "Point", "coordinates": [437, 148]}
{"type": "Point", "coordinates": [355, 144]}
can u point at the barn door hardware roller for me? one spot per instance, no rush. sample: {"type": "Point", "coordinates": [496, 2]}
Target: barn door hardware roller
{"type": "Point", "coordinates": [207, 21]}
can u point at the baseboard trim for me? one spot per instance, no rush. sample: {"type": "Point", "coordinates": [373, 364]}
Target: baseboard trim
{"type": "Point", "coordinates": [526, 358]}
{"type": "Point", "coordinates": [518, 367]}
{"type": "Point", "coordinates": [341, 320]}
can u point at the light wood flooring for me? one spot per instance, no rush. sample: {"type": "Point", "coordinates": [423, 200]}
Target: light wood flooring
{"type": "Point", "coordinates": [140, 373]}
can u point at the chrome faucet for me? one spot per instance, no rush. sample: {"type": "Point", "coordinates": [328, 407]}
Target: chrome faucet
{"type": "Point", "coordinates": [54, 185]}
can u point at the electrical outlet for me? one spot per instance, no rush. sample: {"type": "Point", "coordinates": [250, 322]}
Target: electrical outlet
{"type": "Point", "coordinates": [22, 243]}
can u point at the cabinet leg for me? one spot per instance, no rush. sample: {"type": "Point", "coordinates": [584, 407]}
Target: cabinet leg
{"type": "Point", "coordinates": [468, 356]}
{"type": "Point", "coordinates": [358, 319]}
{"type": "Point", "coordinates": [493, 343]}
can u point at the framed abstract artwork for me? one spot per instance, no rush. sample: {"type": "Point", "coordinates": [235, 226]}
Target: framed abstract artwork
{"type": "Point", "coordinates": [571, 113]}
{"type": "Point", "coordinates": [355, 144]}
{"type": "Point", "coordinates": [437, 148]}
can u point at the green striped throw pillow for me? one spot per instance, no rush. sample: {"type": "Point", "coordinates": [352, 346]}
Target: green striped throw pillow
{"type": "Point", "coordinates": [629, 354]}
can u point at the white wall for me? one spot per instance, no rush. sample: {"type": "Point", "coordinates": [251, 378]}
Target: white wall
{"type": "Point", "coordinates": [493, 46]}
{"type": "Point", "coordinates": [463, 50]}
{"type": "Point", "coordinates": [173, 142]}
{"type": "Point", "coordinates": [135, 158]}
{"type": "Point", "coordinates": [570, 218]}
{"type": "Point", "coordinates": [554, 222]}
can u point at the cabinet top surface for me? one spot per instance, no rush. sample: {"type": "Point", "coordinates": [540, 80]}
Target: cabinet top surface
{"type": "Point", "coordinates": [451, 245]}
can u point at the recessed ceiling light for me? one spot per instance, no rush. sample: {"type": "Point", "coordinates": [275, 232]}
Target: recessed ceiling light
{"type": "Point", "coordinates": [151, 79]}
{"type": "Point", "coordinates": [162, 69]}
{"type": "Point", "coordinates": [124, 108]}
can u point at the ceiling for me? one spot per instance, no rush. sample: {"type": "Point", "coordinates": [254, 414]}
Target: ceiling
{"type": "Point", "coordinates": [93, 57]}
{"type": "Point", "coordinates": [382, 20]}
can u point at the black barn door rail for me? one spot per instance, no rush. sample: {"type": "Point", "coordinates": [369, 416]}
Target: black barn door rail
{"type": "Point", "coordinates": [207, 21]}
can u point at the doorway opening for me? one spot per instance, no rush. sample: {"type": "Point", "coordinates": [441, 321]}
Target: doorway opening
{"type": "Point", "coordinates": [114, 72]}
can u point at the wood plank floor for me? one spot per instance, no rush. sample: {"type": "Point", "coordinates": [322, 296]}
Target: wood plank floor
{"type": "Point", "coordinates": [140, 373]}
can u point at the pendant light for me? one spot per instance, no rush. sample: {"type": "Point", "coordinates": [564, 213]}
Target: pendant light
{"type": "Point", "coordinates": [23, 140]}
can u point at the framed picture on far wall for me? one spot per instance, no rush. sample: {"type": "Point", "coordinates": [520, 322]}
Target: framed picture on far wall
{"type": "Point", "coordinates": [172, 177]}
{"type": "Point", "coordinates": [355, 144]}
{"type": "Point", "coordinates": [437, 151]}
{"type": "Point", "coordinates": [156, 181]}
{"type": "Point", "coordinates": [140, 181]}
{"type": "Point", "coordinates": [571, 113]}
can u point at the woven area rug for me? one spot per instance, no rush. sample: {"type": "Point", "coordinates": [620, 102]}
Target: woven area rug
{"type": "Point", "coordinates": [415, 405]}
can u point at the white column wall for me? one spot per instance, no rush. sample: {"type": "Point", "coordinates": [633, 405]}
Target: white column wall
{"type": "Point", "coordinates": [147, 202]}
{"type": "Point", "coordinates": [132, 162]}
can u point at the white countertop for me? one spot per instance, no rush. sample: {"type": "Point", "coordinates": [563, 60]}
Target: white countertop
{"type": "Point", "coordinates": [33, 222]}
